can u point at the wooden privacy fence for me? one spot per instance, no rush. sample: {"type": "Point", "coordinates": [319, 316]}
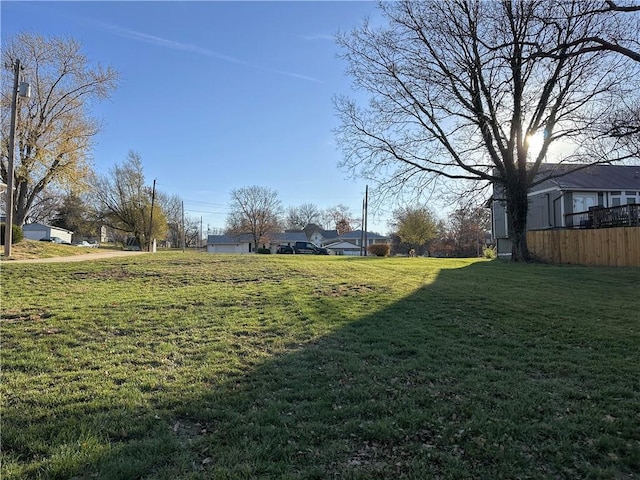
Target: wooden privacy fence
{"type": "Point", "coordinates": [618, 247]}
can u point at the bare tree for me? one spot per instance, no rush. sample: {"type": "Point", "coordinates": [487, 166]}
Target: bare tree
{"type": "Point", "coordinates": [53, 128]}
{"type": "Point", "coordinates": [256, 211]}
{"type": "Point", "coordinates": [124, 202]}
{"type": "Point", "coordinates": [340, 218]}
{"type": "Point", "coordinates": [192, 231]}
{"type": "Point", "coordinates": [622, 40]}
{"type": "Point", "coordinates": [620, 37]}
{"type": "Point", "coordinates": [467, 227]}
{"type": "Point", "coordinates": [172, 207]}
{"type": "Point", "coordinates": [458, 90]}
{"type": "Point", "coordinates": [301, 216]}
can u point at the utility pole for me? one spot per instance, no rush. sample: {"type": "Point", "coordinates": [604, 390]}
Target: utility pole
{"type": "Point", "coordinates": [153, 199]}
{"type": "Point", "coordinates": [366, 214]}
{"type": "Point", "coordinates": [200, 239]}
{"type": "Point", "coordinates": [362, 230]}
{"type": "Point", "coordinates": [184, 234]}
{"type": "Point", "coordinates": [8, 224]}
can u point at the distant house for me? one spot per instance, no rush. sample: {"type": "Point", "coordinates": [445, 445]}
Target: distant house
{"type": "Point", "coordinates": [344, 248]}
{"type": "Point", "coordinates": [565, 201]}
{"type": "Point", "coordinates": [244, 243]}
{"type": "Point", "coordinates": [355, 237]}
{"type": "Point", "coordinates": [36, 231]}
{"type": "Point", "coordinates": [318, 235]}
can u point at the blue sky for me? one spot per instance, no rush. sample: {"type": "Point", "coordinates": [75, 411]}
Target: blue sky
{"type": "Point", "coordinates": [217, 95]}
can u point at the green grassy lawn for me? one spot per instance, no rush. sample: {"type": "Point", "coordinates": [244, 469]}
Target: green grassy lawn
{"type": "Point", "coordinates": [31, 249]}
{"type": "Point", "coordinates": [189, 366]}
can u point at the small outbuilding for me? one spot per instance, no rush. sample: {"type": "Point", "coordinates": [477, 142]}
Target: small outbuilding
{"type": "Point", "coordinates": [344, 248]}
{"type": "Point", "coordinates": [36, 231]}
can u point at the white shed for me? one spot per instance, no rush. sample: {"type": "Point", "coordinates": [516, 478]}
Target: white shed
{"type": "Point", "coordinates": [36, 231]}
{"type": "Point", "coordinates": [229, 244]}
{"type": "Point", "coordinates": [344, 248]}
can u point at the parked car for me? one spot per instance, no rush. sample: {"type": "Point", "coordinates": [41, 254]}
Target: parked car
{"type": "Point", "coordinates": [309, 248]}
{"type": "Point", "coordinates": [55, 240]}
{"type": "Point", "coordinates": [86, 244]}
{"type": "Point", "coordinates": [284, 249]}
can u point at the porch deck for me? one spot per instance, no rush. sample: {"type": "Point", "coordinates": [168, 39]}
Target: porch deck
{"type": "Point", "coordinates": [601, 217]}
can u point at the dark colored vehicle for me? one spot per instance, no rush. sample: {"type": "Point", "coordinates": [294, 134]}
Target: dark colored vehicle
{"type": "Point", "coordinates": [285, 249]}
{"type": "Point", "coordinates": [309, 248]}
{"type": "Point", "coordinates": [55, 240]}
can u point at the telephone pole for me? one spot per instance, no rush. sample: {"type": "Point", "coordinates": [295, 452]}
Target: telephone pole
{"type": "Point", "coordinates": [184, 234]}
{"type": "Point", "coordinates": [24, 90]}
{"type": "Point", "coordinates": [153, 199]}
{"type": "Point", "coordinates": [362, 229]}
{"type": "Point", "coordinates": [366, 214]}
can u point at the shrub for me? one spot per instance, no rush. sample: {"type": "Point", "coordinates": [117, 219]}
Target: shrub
{"type": "Point", "coordinates": [489, 252]}
{"type": "Point", "coordinates": [263, 250]}
{"type": "Point", "coordinates": [16, 236]}
{"type": "Point", "coordinates": [379, 249]}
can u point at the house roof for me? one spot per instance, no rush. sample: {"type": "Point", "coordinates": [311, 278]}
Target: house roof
{"type": "Point", "coordinates": [283, 237]}
{"type": "Point", "coordinates": [342, 246]}
{"type": "Point", "coordinates": [313, 228]}
{"type": "Point", "coordinates": [357, 234]}
{"type": "Point", "coordinates": [39, 226]}
{"type": "Point", "coordinates": [228, 239]}
{"type": "Point", "coordinates": [329, 233]}
{"type": "Point", "coordinates": [595, 177]}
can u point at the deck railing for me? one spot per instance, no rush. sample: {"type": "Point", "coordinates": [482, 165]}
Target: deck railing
{"type": "Point", "coordinates": [601, 217]}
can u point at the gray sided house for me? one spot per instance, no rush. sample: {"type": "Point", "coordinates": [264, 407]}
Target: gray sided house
{"type": "Point", "coordinates": [565, 201]}
{"type": "Point", "coordinates": [244, 243]}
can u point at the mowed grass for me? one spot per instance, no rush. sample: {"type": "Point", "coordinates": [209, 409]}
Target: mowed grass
{"type": "Point", "coordinates": [31, 249]}
{"type": "Point", "coordinates": [189, 366]}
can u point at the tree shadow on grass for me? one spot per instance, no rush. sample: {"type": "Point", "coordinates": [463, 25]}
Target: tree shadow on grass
{"type": "Point", "coordinates": [457, 380]}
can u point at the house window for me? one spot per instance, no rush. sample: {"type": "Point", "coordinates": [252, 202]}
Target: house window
{"type": "Point", "coordinates": [624, 198]}
{"type": "Point", "coordinates": [616, 198]}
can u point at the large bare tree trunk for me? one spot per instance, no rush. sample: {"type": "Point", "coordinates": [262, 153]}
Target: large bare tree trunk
{"type": "Point", "coordinates": [517, 209]}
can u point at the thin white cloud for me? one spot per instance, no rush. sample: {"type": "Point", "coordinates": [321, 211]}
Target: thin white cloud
{"type": "Point", "coordinates": [319, 36]}
{"type": "Point", "coordinates": [174, 45]}
{"type": "Point", "coordinates": [166, 43]}
{"type": "Point", "coordinates": [291, 74]}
